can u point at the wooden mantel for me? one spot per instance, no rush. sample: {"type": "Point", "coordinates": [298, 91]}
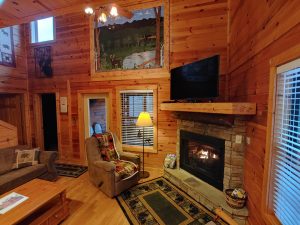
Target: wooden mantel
{"type": "Point", "coordinates": [229, 108]}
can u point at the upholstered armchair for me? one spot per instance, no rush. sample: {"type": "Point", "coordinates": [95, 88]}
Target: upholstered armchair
{"type": "Point", "coordinates": [103, 173]}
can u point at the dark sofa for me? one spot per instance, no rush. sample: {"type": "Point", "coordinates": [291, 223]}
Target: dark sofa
{"type": "Point", "coordinates": [11, 178]}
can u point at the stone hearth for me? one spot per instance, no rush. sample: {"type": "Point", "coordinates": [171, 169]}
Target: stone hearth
{"type": "Point", "coordinates": [234, 136]}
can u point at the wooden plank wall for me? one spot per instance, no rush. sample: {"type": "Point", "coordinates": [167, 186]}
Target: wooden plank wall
{"type": "Point", "coordinates": [258, 31]}
{"type": "Point", "coordinates": [8, 135]}
{"type": "Point", "coordinates": [71, 66]}
{"type": "Point", "coordinates": [12, 112]}
{"type": "Point", "coordinates": [14, 79]}
{"type": "Point", "coordinates": [198, 29]}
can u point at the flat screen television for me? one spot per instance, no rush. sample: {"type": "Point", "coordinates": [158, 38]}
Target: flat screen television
{"type": "Point", "coordinates": [197, 80]}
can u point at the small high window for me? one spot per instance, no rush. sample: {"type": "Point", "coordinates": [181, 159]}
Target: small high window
{"type": "Point", "coordinates": [42, 30]}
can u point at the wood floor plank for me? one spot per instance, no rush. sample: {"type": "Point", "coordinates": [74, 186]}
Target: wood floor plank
{"type": "Point", "coordinates": [88, 205]}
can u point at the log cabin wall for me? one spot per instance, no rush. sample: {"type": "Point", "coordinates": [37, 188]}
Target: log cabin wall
{"type": "Point", "coordinates": [14, 79]}
{"type": "Point", "coordinates": [258, 31]}
{"type": "Point", "coordinates": [14, 107]}
{"type": "Point", "coordinates": [71, 67]}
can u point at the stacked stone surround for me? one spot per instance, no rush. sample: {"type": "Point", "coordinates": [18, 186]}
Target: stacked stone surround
{"type": "Point", "coordinates": [234, 152]}
{"type": "Point", "coordinates": [201, 191]}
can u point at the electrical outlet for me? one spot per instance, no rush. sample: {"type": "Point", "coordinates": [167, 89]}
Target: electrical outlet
{"type": "Point", "coordinates": [248, 140]}
{"type": "Point", "coordinates": [238, 139]}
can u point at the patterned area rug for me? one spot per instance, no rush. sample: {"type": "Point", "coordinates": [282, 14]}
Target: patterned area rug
{"type": "Point", "coordinates": [158, 202]}
{"type": "Point", "coordinates": [69, 170]}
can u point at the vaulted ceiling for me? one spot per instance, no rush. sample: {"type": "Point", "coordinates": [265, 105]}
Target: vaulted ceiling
{"type": "Point", "coordinates": [23, 11]}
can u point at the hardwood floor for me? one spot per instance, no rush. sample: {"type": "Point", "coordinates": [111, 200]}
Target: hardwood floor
{"type": "Point", "coordinates": [90, 206]}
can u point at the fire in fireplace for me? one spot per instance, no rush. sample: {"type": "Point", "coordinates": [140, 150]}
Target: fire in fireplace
{"type": "Point", "coordinates": [203, 156]}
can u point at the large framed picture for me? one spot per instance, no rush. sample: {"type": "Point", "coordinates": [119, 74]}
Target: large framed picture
{"type": "Point", "coordinates": [43, 61]}
{"type": "Point", "coordinates": [128, 44]}
{"type": "Point", "coordinates": [7, 54]}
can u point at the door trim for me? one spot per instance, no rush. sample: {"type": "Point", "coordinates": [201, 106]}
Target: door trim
{"type": "Point", "coordinates": [38, 119]}
{"type": "Point", "coordinates": [80, 98]}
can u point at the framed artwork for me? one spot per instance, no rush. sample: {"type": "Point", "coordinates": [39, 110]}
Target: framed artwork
{"type": "Point", "coordinates": [136, 43]}
{"type": "Point", "coordinates": [43, 60]}
{"type": "Point", "coordinates": [7, 54]}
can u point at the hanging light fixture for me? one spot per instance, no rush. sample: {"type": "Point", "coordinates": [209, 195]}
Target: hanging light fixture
{"type": "Point", "coordinates": [114, 11]}
{"type": "Point", "coordinates": [102, 18]}
{"type": "Point", "coordinates": [89, 10]}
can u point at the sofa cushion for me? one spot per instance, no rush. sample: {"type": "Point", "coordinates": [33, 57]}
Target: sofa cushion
{"type": "Point", "coordinates": [28, 157]}
{"type": "Point", "coordinates": [7, 157]}
{"type": "Point", "coordinates": [18, 177]}
{"type": "Point", "coordinates": [107, 146]}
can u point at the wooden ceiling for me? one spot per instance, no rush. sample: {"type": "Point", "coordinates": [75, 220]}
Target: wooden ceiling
{"type": "Point", "coordinates": [14, 12]}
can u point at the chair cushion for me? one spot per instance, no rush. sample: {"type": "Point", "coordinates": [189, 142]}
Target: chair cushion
{"type": "Point", "coordinates": [107, 147]}
{"type": "Point", "coordinates": [125, 169]}
{"type": "Point", "coordinates": [18, 177]}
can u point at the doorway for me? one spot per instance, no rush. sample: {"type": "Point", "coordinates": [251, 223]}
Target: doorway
{"type": "Point", "coordinates": [48, 103]}
{"type": "Point", "coordinates": [95, 114]}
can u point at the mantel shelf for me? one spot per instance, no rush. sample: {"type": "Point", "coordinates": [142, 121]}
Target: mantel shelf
{"type": "Point", "coordinates": [229, 108]}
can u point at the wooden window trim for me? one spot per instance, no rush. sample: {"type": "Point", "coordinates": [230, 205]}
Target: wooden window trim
{"type": "Point", "coordinates": [137, 73]}
{"type": "Point", "coordinates": [36, 34]}
{"type": "Point", "coordinates": [266, 206]}
{"type": "Point", "coordinates": [119, 124]}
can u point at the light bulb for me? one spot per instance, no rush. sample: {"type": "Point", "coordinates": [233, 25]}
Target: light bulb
{"type": "Point", "coordinates": [89, 10]}
{"type": "Point", "coordinates": [102, 18]}
{"type": "Point", "coordinates": [114, 11]}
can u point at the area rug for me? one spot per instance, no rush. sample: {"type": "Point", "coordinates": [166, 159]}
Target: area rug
{"type": "Point", "coordinates": [70, 170]}
{"type": "Point", "coordinates": [158, 202]}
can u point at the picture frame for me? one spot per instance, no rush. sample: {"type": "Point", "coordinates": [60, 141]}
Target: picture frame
{"type": "Point", "coordinates": [7, 53]}
{"type": "Point", "coordinates": [43, 61]}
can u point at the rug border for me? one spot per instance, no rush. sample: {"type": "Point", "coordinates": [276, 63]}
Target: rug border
{"type": "Point", "coordinates": [85, 167]}
{"type": "Point", "coordinates": [210, 213]}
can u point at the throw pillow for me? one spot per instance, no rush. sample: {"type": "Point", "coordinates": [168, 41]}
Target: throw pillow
{"type": "Point", "coordinates": [107, 146]}
{"type": "Point", "coordinates": [26, 158]}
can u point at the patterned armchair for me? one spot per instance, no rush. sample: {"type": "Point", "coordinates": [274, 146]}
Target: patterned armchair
{"type": "Point", "coordinates": [111, 169]}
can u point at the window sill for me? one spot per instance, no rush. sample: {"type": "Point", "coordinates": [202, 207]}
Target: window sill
{"type": "Point", "coordinates": [43, 43]}
{"type": "Point", "coordinates": [139, 149]}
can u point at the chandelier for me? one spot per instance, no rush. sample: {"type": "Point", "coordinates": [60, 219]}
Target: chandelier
{"type": "Point", "coordinates": [103, 12]}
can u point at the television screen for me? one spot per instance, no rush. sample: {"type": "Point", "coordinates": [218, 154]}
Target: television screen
{"type": "Point", "coordinates": [196, 80]}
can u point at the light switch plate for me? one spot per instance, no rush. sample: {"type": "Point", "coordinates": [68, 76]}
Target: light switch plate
{"type": "Point", "coordinates": [248, 140]}
{"type": "Point", "coordinates": [238, 139]}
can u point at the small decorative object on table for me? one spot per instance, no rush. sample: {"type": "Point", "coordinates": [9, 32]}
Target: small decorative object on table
{"type": "Point", "coordinates": [170, 161]}
{"type": "Point", "coordinates": [236, 198]}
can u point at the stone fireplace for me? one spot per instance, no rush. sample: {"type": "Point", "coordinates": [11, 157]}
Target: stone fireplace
{"type": "Point", "coordinates": [233, 148]}
{"type": "Point", "coordinates": [203, 156]}
{"type": "Point", "coordinates": [210, 159]}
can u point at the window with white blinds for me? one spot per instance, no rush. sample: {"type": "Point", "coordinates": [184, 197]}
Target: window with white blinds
{"type": "Point", "coordinates": [286, 147]}
{"type": "Point", "coordinates": [132, 103]}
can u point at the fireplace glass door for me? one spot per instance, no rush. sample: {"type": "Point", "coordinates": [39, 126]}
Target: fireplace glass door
{"type": "Point", "coordinates": [203, 156]}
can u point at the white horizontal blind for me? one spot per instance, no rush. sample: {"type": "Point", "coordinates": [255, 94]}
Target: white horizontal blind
{"type": "Point", "coordinates": [132, 103]}
{"type": "Point", "coordinates": [286, 143]}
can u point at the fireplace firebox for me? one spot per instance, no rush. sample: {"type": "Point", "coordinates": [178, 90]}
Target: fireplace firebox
{"type": "Point", "coordinates": [203, 156]}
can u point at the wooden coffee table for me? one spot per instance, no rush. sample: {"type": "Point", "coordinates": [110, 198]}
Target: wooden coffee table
{"type": "Point", "coordinates": [47, 204]}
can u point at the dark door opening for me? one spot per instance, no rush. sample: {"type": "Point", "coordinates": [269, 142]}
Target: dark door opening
{"type": "Point", "coordinates": [49, 122]}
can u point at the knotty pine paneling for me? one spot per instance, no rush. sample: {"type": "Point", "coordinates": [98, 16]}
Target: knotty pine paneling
{"type": "Point", "coordinates": [206, 35]}
{"type": "Point", "coordinates": [198, 29]}
{"type": "Point", "coordinates": [14, 79]}
{"type": "Point", "coordinates": [258, 31]}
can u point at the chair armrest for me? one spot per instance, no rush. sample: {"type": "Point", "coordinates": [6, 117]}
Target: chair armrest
{"type": "Point", "coordinates": [106, 166]}
{"type": "Point", "coordinates": [135, 158]}
{"type": "Point", "coordinates": [48, 158]}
